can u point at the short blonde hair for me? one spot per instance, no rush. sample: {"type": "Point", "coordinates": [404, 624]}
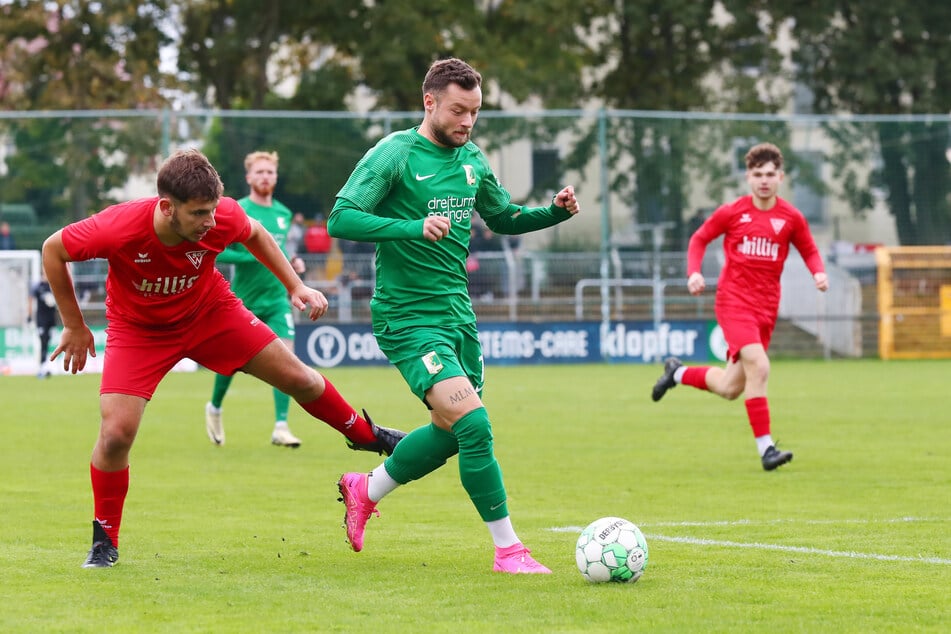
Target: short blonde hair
{"type": "Point", "coordinates": [256, 156]}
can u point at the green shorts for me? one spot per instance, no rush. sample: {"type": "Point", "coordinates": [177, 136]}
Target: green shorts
{"type": "Point", "coordinates": [278, 318]}
{"type": "Point", "coordinates": [426, 356]}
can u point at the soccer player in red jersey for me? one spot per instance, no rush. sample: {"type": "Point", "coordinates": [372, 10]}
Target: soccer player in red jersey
{"type": "Point", "coordinates": [166, 301]}
{"type": "Point", "coordinates": [757, 230]}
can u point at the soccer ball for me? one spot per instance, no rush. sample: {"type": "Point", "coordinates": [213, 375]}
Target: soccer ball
{"type": "Point", "coordinates": [611, 549]}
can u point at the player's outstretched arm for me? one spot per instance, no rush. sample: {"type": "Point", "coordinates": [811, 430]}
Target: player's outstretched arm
{"type": "Point", "coordinates": [76, 341]}
{"type": "Point", "coordinates": [566, 200]}
{"type": "Point", "coordinates": [268, 252]}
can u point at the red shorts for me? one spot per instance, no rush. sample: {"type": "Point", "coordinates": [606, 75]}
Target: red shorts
{"type": "Point", "coordinates": [741, 328]}
{"type": "Point", "coordinates": [223, 339]}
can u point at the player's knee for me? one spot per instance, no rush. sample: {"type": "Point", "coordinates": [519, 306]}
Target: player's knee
{"type": "Point", "coordinates": [303, 383]}
{"type": "Point", "coordinates": [759, 373]}
{"type": "Point", "coordinates": [473, 430]}
{"type": "Point", "coordinates": [115, 440]}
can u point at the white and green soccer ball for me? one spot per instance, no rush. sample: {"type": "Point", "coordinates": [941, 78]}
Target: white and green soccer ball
{"type": "Point", "coordinates": [611, 549]}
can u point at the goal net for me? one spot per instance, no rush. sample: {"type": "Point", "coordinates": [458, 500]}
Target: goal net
{"type": "Point", "coordinates": [19, 270]}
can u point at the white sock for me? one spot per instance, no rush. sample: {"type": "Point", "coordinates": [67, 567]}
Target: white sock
{"type": "Point", "coordinates": [380, 484]}
{"type": "Point", "coordinates": [679, 374]}
{"type": "Point", "coordinates": [281, 424]}
{"type": "Point", "coordinates": [503, 535]}
{"type": "Point", "coordinates": [763, 443]}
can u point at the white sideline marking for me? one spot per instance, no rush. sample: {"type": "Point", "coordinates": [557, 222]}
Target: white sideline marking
{"type": "Point", "coordinates": [896, 520]}
{"type": "Point", "coordinates": [793, 549]}
{"type": "Point", "coordinates": [799, 549]}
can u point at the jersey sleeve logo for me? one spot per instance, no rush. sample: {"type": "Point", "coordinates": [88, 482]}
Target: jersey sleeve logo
{"type": "Point", "coordinates": [195, 257]}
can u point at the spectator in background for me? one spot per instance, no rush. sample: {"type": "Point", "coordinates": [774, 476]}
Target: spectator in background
{"type": "Point", "coordinates": [317, 242]}
{"type": "Point", "coordinates": [358, 264]}
{"type": "Point", "coordinates": [482, 279]}
{"type": "Point", "coordinates": [43, 312]}
{"type": "Point", "coordinates": [295, 235]}
{"type": "Point", "coordinates": [7, 243]}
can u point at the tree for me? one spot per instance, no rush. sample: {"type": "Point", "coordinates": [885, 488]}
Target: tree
{"type": "Point", "coordinates": [660, 56]}
{"type": "Point", "coordinates": [79, 56]}
{"type": "Point", "coordinates": [286, 56]}
{"type": "Point", "coordinates": [869, 58]}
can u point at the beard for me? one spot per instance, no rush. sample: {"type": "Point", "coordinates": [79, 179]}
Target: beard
{"type": "Point", "coordinates": [176, 224]}
{"type": "Point", "coordinates": [444, 137]}
{"type": "Point", "coordinates": [263, 190]}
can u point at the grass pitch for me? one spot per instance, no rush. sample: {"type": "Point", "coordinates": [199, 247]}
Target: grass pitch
{"type": "Point", "coordinates": [853, 536]}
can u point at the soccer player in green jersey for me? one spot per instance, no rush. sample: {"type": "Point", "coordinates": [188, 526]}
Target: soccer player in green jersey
{"type": "Point", "coordinates": [414, 194]}
{"type": "Point", "coordinates": [261, 292]}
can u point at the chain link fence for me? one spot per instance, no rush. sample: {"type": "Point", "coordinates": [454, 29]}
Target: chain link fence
{"type": "Point", "coordinates": [645, 181]}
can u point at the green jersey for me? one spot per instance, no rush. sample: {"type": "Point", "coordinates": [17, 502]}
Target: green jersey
{"type": "Point", "coordinates": [253, 282]}
{"type": "Point", "coordinates": [394, 187]}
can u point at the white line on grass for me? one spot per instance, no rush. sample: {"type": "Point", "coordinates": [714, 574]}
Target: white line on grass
{"type": "Point", "coordinates": [894, 520]}
{"type": "Point", "coordinates": [799, 549]}
{"type": "Point", "coordinates": [793, 549]}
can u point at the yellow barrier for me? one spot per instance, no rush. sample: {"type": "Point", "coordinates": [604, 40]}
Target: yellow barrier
{"type": "Point", "coordinates": [914, 302]}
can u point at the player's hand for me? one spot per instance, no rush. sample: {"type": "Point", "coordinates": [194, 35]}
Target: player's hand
{"type": "Point", "coordinates": [75, 344]}
{"type": "Point", "coordinates": [566, 200]}
{"type": "Point", "coordinates": [435, 228]}
{"type": "Point", "coordinates": [822, 281]}
{"type": "Point", "coordinates": [696, 283]}
{"type": "Point", "coordinates": [303, 297]}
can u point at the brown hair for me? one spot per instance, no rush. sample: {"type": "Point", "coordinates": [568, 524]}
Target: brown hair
{"type": "Point", "coordinates": [762, 154]}
{"type": "Point", "coordinates": [450, 71]}
{"type": "Point", "coordinates": [187, 175]}
{"type": "Point", "coordinates": [255, 156]}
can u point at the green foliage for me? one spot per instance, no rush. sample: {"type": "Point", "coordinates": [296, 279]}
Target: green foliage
{"type": "Point", "coordinates": [852, 536]}
{"type": "Point", "coordinates": [868, 58]}
{"type": "Point", "coordinates": [677, 55]}
{"type": "Point", "coordinates": [83, 55]}
{"type": "Point", "coordinates": [316, 155]}
{"type": "Point", "coordinates": [79, 56]}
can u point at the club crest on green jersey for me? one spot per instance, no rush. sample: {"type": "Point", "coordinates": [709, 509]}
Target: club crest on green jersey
{"type": "Point", "coordinates": [470, 174]}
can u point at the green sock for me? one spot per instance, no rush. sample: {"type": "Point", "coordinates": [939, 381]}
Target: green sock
{"type": "Point", "coordinates": [281, 403]}
{"type": "Point", "coordinates": [222, 383]}
{"type": "Point", "coordinates": [421, 451]}
{"type": "Point", "coordinates": [478, 469]}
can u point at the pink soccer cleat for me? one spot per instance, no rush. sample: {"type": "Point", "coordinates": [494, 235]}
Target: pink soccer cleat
{"type": "Point", "coordinates": [353, 494]}
{"type": "Point", "coordinates": [517, 560]}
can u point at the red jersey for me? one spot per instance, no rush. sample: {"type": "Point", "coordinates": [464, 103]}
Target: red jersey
{"type": "Point", "coordinates": [149, 283]}
{"type": "Point", "coordinates": [756, 245]}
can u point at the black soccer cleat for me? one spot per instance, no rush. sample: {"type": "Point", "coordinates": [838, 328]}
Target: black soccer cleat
{"type": "Point", "coordinates": [102, 554]}
{"type": "Point", "coordinates": [666, 380]}
{"type": "Point", "coordinates": [386, 439]}
{"type": "Point", "coordinates": [774, 458]}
